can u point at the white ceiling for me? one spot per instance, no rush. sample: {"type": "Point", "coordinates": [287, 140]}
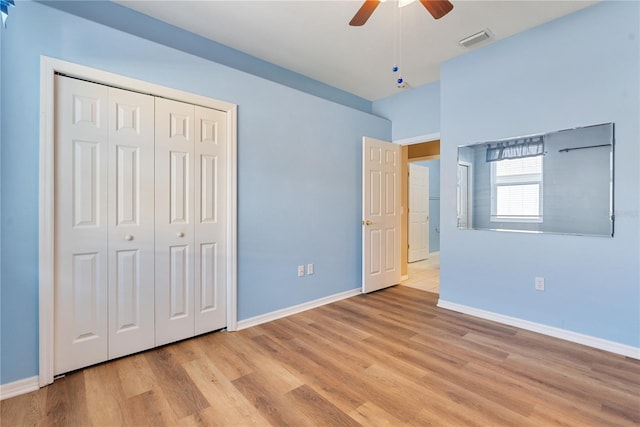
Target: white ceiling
{"type": "Point", "coordinates": [313, 38]}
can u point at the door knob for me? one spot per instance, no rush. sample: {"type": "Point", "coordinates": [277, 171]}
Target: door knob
{"type": "Point", "coordinates": [180, 234]}
{"type": "Point", "coordinates": [367, 222]}
{"type": "Point", "coordinates": [128, 237]}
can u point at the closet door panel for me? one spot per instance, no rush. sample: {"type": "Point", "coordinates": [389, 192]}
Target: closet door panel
{"type": "Point", "coordinates": [80, 224]}
{"type": "Point", "coordinates": [174, 203]}
{"type": "Point", "coordinates": [210, 224]}
{"type": "Point", "coordinates": [131, 222]}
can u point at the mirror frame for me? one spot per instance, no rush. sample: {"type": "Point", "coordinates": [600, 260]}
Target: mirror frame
{"type": "Point", "coordinates": [470, 161]}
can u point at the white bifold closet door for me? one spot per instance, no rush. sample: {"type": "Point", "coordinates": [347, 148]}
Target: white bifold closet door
{"type": "Point", "coordinates": [104, 223]}
{"type": "Point", "coordinates": [131, 222]}
{"type": "Point", "coordinates": [140, 222]}
{"type": "Point", "coordinates": [190, 220]}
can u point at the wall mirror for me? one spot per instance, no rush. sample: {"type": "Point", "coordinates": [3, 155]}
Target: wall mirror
{"type": "Point", "coordinates": [556, 182]}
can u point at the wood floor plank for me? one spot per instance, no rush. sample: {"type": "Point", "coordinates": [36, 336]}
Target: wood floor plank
{"type": "Point", "coordinates": [135, 374]}
{"type": "Point", "coordinates": [228, 406]}
{"type": "Point", "coordinates": [623, 375]}
{"type": "Point", "coordinates": [182, 394]}
{"type": "Point", "coordinates": [391, 358]}
{"type": "Point", "coordinates": [486, 410]}
{"type": "Point", "coordinates": [496, 392]}
{"type": "Point", "coordinates": [150, 408]}
{"type": "Point", "coordinates": [272, 406]}
{"type": "Point", "coordinates": [360, 353]}
{"type": "Point", "coordinates": [317, 410]}
{"type": "Point", "coordinates": [548, 402]}
{"type": "Point", "coordinates": [435, 413]}
{"type": "Point", "coordinates": [315, 371]}
{"type": "Point", "coordinates": [106, 401]}
{"type": "Point", "coordinates": [369, 414]}
{"type": "Point", "coordinates": [220, 350]}
{"type": "Point", "coordinates": [414, 352]}
{"type": "Point", "coordinates": [27, 409]}
{"type": "Point", "coordinates": [391, 304]}
{"type": "Point", "coordinates": [279, 376]}
{"type": "Point", "coordinates": [574, 384]}
{"type": "Point", "coordinates": [66, 402]}
{"type": "Point", "coordinates": [310, 335]}
{"type": "Point", "coordinates": [468, 349]}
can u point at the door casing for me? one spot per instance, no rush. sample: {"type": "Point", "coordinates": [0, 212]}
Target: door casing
{"type": "Point", "coordinates": [48, 68]}
{"type": "Point", "coordinates": [428, 139]}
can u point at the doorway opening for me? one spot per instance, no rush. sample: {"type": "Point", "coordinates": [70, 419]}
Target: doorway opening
{"type": "Point", "coordinates": [421, 215]}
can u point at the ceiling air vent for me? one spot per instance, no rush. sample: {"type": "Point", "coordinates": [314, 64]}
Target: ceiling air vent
{"type": "Point", "coordinates": [475, 38]}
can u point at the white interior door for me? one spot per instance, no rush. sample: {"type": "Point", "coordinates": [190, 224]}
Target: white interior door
{"type": "Point", "coordinates": [210, 232]}
{"type": "Point", "coordinates": [380, 214]}
{"type": "Point", "coordinates": [80, 291]}
{"type": "Point", "coordinates": [174, 245]}
{"type": "Point", "coordinates": [131, 222]}
{"type": "Point", "coordinates": [418, 212]}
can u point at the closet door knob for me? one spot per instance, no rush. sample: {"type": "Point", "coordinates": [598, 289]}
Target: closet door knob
{"type": "Point", "coordinates": [128, 237]}
{"type": "Point", "coordinates": [180, 234]}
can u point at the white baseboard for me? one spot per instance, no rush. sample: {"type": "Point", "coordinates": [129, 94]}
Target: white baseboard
{"type": "Point", "coordinates": [278, 314]}
{"type": "Point", "coordinates": [599, 343]}
{"type": "Point", "coordinates": [19, 387]}
{"type": "Point", "coordinates": [405, 277]}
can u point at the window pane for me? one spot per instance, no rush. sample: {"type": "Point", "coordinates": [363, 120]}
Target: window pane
{"type": "Point", "coordinates": [528, 165]}
{"type": "Point", "coordinates": [518, 200]}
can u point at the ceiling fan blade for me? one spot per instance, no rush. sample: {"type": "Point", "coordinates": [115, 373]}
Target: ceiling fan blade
{"type": "Point", "coordinates": [364, 12]}
{"type": "Point", "coordinates": [437, 8]}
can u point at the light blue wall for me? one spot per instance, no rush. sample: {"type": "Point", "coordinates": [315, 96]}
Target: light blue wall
{"type": "Point", "coordinates": [1, 119]}
{"type": "Point", "coordinates": [579, 70]}
{"type": "Point", "coordinates": [414, 112]}
{"type": "Point", "coordinates": [299, 173]}
{"type": "Point", "coordinates": [132, 22]}
{"type": "Point", "coordinates": [434, 202]}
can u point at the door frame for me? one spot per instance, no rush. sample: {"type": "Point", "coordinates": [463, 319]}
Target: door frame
{"type": "Point", "coordinates": [48, 68]}
{"type": "Point", "coordinates": [410, 141]}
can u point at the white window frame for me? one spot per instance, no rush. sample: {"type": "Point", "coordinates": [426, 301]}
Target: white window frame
{"type": "Point", "coordinates": [516, 180]}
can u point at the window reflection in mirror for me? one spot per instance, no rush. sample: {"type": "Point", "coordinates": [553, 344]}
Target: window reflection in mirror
{"type": "Point", "coordinates": [557, 182]}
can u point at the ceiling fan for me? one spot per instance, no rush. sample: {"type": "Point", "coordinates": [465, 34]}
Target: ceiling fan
{"type": "Point", "coordinates": [437, 9]}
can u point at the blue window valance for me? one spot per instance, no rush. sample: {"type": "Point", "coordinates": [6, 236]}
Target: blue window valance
{"type": "Point", "coordinates": [516, 148]}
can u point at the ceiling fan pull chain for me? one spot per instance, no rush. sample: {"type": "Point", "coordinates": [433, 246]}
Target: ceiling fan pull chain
{"type": "Point", "coordinates": [400, 80]}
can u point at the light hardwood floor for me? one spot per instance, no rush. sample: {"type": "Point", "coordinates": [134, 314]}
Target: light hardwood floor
{"type": "Point", "coordinates": [390, 358]}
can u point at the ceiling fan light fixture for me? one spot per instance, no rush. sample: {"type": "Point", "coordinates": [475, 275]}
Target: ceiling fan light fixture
{"type": "Point", "coordinates": [475, 38]}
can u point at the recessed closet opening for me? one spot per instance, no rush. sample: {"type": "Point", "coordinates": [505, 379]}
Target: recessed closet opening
{"type": "Point", "coordinates": [137, 216]}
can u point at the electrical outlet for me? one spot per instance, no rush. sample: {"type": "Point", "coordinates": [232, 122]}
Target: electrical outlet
{"type": "Point", "coordinates": [300, 270]}
{"type": "Point", "coordinates": [309, 269]}
{"type": "Point", "coordinates": [539, 283]}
